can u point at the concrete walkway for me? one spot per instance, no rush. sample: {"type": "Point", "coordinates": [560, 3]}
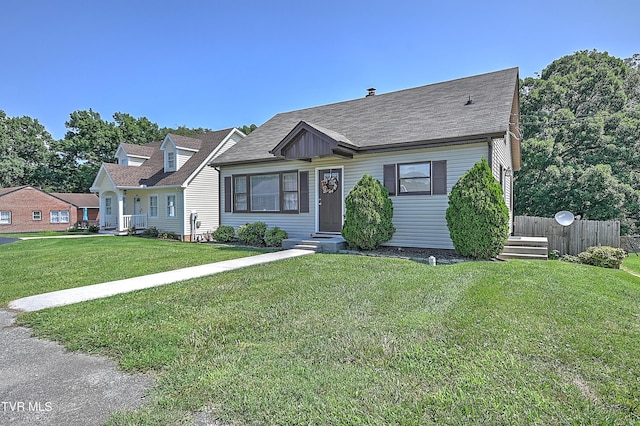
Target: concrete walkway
{"type": "Point", "coordinates": [97, 291]}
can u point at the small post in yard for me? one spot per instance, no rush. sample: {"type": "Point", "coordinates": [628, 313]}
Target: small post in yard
{"type": "Point", "coordinates": [564, 218]}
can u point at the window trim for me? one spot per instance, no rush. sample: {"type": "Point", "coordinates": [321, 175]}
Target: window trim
{"type": "Point", "coordinates": [157, 206]}
{"type": "Point", "coordinates": [175, 206]}
{"type": "Point", "coordinates": [429, 192]}
{"type": "Point", "coordinates": [6, 212]}
{"type": "Point", "coordinates": [171, 168]}
{"type": "Point", "coordinates": [281, 192]}
{"type": "Point", "coordinates": [39, 214]}
{"type": "Point", "coordinates": [59, 216]}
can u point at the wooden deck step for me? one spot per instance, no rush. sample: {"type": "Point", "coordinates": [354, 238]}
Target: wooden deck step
{"type": "Point", "coordinates": [528, 248]}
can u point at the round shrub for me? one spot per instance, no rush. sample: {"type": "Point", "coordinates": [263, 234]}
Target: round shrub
{"type": "Point", "coordinates": [603, 256]}
{"type": "Point", "coordinates": [369, 215]}
{"type": "Point", "coordinates": [224, 234]}
{"type": "Point", "coordinates": [273, 237]}
{"type": "Point", "coordinates": [252, 234]}
{"type": "Point", "coordinates": [477, 216]}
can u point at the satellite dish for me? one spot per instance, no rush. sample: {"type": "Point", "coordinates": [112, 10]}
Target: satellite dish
{"type": "Point", "coordinates": [564, 218]}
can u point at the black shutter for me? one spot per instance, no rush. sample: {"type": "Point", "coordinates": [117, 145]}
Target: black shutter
{"type": "Point", "coordinates": [439, 177]}
{"type": "Point", "coordinates": [390, 178]}
{"type": "Point", "coordinates": [227, 194]}
{"type": "Point", "coordinates": [304, 192]}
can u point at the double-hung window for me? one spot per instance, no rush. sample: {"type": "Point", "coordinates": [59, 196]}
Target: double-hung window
{"type": "Point", "coordinates": [59, 216]}
{"type": "Point", "coordinates": [414, 178]}
{"type": "Point", "coordinates": [36, 215]}
{"type": "Point", "coordinates": [171, 206]}
{"type": "Point", "coordinates": [171, 161]}
{"type": "Point", "coordinates": [419, 178]}
{"type": "Point", "coordinates": [153, 206]}
{"type": "Point", "coordinates": [5, 217]}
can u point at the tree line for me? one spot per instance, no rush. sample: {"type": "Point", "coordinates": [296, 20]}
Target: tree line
{"type": "Point", "coordinates": [580, 123]}
{"type": "Point", "coordinates": [30, 156]}
{"type": "Point", "coordinates": [580, 132]}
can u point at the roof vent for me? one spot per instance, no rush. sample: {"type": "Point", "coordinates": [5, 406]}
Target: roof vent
{"type": "Point", "coordinates": [469, 102]}
{"type": "Point", "coordinates": [372, 92]}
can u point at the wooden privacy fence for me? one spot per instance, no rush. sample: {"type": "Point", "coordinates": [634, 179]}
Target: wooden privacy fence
{"type": "Point", "coordinates": [572, 239]}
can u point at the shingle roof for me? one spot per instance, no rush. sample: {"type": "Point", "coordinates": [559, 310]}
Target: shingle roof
{"type": "Point", "coordinates": [138, 150]}
{"type": "Point", "coordinates": [5, 191]}
{"type": "Point", "coordinates": [151, 172]}
{"type": "Point", "coordinates": [79, 200]}
{"type": "Point", "coordinates": [423, 114]}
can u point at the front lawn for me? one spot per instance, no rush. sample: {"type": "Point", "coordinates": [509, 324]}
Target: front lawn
{"type": "Point", "coordinates": [39, 266]}
{"type": "Point", "coordinates": [339, 339]}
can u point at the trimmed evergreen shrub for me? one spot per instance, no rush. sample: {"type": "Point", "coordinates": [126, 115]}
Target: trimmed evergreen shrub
{"type": "Point", "coordinates": [369, 214]}
{"type": "Point", "coordinates": [603, 256]}
{"type": "Point", "coordinates": [274, 236]}
{"type": "Point", "coordinates": [477, 216]}
{"type": "Point", "coordinates": [224, 234]}
{"type": "Point", "coordinates": [252, 234]}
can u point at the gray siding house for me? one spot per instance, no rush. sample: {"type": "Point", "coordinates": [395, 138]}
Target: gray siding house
{"type": "Point", "coordinates": [296, 169]}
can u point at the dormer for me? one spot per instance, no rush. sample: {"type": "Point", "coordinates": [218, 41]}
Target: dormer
{"type": "Point", "coordinates": [177, 150]}
{"type": "Point", "coordinates": [133, 155]}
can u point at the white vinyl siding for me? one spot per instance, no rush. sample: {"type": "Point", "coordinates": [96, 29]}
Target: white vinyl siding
{"type": "Point", "coordinates": [202, 196]}
{"type": "Point", "coordinates": [501, 167]}
{"type": "Point", "coordinates": [419, 219]}
{"type": "Point", "coordinates": [182, 156]}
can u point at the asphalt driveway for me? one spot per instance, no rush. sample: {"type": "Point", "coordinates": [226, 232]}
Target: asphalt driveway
{"type": "Point", "coordinates": [4, 240]}
{"type": "Point", "coordinates": [44, 384]}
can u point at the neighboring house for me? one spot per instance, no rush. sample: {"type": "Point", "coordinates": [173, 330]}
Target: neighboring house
{"type": "Point", "coordinates": [87, 208]}
{"type": "Point", "coordinates": [295, 170]}
{"type": "Point", "coordinates": [28, 209]}
{"type": "Point", "coordinates": [164, 184]}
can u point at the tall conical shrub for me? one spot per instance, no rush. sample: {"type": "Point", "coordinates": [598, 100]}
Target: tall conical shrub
{"type": "Point", "coordinates": [369, 215]}
{"type": "Point", "coordinates": [477, 216]}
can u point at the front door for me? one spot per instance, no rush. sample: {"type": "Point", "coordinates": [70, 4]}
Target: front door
{"type": "Point", "coordinates": [330, 200]}
{"type": "Point", "coordinates": [137, 206]}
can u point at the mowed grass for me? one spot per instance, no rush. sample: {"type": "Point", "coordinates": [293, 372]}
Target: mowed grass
{"type": "Point", "coordinates": [339, 339]}
{"type": "Point", "coordinates": [38, 266]}
{"type": "Point", "coordinates": [632, 262]}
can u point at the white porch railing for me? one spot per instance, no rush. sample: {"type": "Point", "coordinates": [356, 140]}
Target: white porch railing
{"type": "Point", "coordinates": [137, 221]}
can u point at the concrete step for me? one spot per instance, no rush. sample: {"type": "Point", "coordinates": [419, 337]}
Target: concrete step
{"type": "Point", "coordinates": [309, 247]}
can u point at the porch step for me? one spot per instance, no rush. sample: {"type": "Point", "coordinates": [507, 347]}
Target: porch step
{"type": "Point", "coordinates": [331, 244]}
{"type": "Point", "coordinates": [525, 248]}
{"type": "Point", "coordinates": [310, 247]}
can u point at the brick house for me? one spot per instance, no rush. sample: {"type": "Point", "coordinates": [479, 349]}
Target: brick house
{"type": "Point", "coordinates": [28, 209]}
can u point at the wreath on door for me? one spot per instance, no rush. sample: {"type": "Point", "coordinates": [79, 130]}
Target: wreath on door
{"type": "Point", "coordinates": [329, 185]}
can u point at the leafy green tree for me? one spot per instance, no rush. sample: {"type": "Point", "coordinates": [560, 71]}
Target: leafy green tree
{"type": "Point", "coordinates": [369, 215]}
{"type": "Point", "coordinates": [477, 216]}
{"type": "Point", "coordinates": [581, 115]}
{"type": "Point", "coordinates": [24, 149]}
{"type": "Point", "coordinates": [247, 129]}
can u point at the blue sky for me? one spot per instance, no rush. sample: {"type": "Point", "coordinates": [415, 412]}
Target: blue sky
{"type": "Point", "coordinates": [218, 64]}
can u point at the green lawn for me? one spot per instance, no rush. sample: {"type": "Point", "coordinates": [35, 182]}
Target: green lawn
{"type": "Point", "coordinates": [632, 263]}
{"type": "Point", "coordinates": [339, 339]}
{"type": "Point", "coordinates": [39, 266]}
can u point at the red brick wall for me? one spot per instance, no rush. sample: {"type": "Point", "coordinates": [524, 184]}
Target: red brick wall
{"type": "Point", "coordinates": [23, 202]}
